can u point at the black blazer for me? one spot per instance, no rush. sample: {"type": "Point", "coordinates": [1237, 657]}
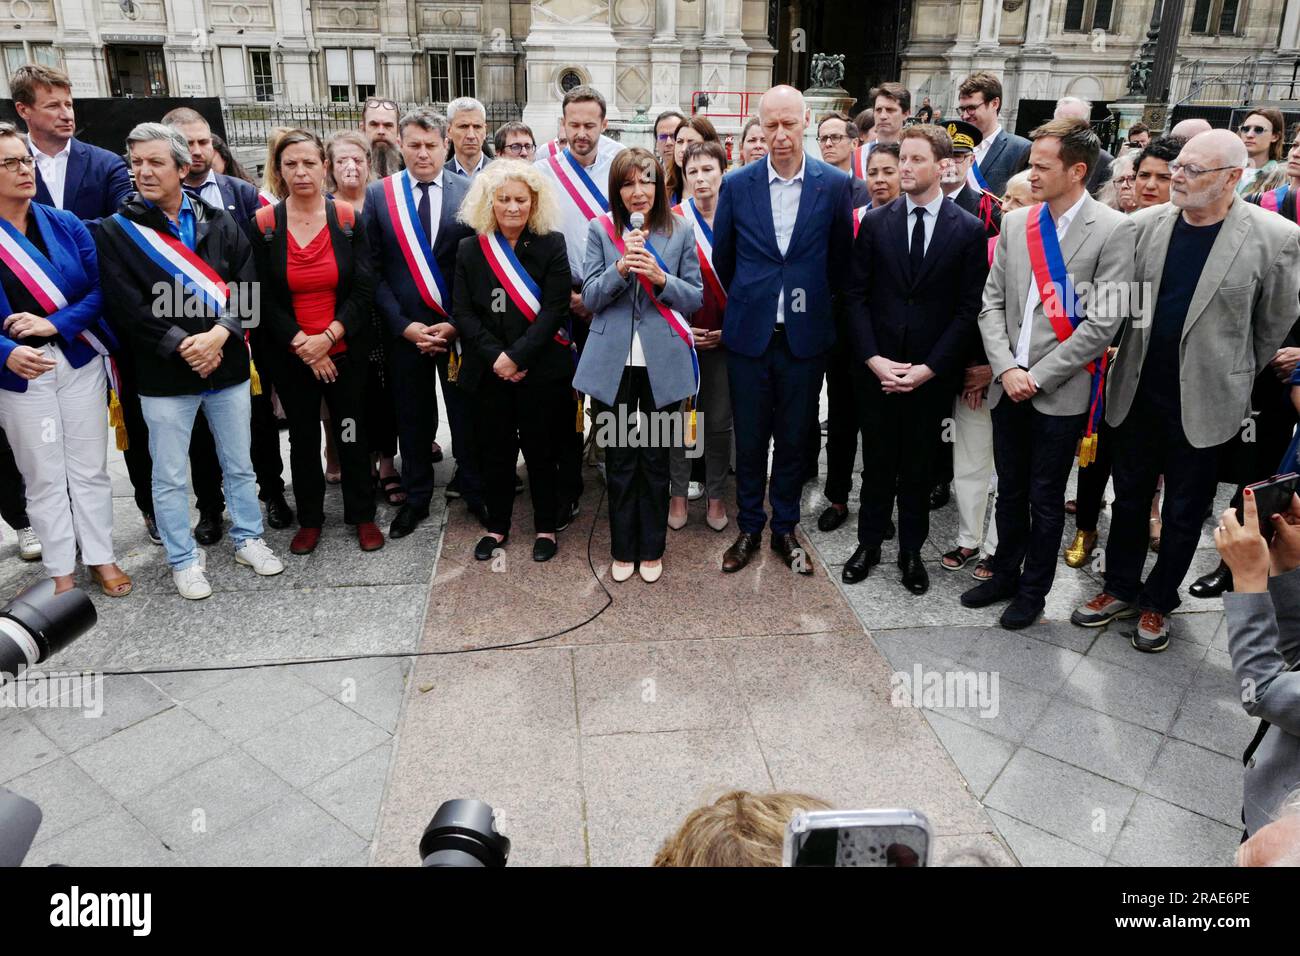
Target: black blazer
{"type": "Point", "coordinates": [486, 330]}
{"type": "Point", "coordinates": [925, 319]}
{"type": "Point", "coordinates": [969, 200]}
{"type": "Point", "coordinates": [354, 296]}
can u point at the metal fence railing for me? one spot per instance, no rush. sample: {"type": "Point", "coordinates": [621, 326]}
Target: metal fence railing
{"type": "Point", "coordinates": [248, 124]}
{"type": "Point", "coordinates": [1249, 80]}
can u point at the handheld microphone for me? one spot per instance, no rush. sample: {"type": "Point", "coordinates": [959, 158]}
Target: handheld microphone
{"type": "Point", "coordinates": [637, 220]}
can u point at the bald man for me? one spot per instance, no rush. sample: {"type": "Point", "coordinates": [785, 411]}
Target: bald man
{"type": "Point", "coordinates": [1191, 127]}
{"type": "Point", "coordinates": [1220, 291]}
{"type": "Point", "coordinates": [784, 226]}
{"type": "Point", "coordinates": [1074, 107]}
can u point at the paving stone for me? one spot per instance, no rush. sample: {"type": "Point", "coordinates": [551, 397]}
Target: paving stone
{"type": "Point", "coordinates": [97, 708]}
{"type": "Point", "coordinates": [1199, 780]}
{"type": "Point", "coordinates": [979, 755]}
{"type": "Point", "coordinates": [1158, 833]}
{"type": "Point", "coordinates": [114, 839]}
{"type": "Point", "coordinates": [23, 747]}
{"type": "Point", "coordinates": [1214, 721]}
{"type": "Point", "coordinates": [1120, 692]}
{"type": "Point", "coordinates": [144, 756]}
{"type": "Point", "coordinates": [1020, 658]}
{"type": "Point", "coordinates": [1035, 847]}
{"type": "Point", "coordinates": [293, 831]}
{"type": "Point", "coordinates": [1111, 748]}
{"type": "Point", "coordinates": [313, 743]}
{"type": "Point", "coordinates": [1177, 664]}
{"type": "Point", "coordinates": [65, 795]}
{"type": "Point", "coordinates": [354, 791]}
{"type": "Point", "coordinates": [254, 701]}
{"type": "Point", "coordinates": [378, 697]}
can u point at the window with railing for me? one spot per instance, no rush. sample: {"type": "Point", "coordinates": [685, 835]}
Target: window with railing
{"type": "Point", "coordinates": [1084, 16]}
{"type": "Point", "coordinates": [1215, 17]}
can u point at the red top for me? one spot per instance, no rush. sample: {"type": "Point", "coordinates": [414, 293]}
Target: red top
{"type": "Point", "coordinates": [709, 316]}
{"type": "Point", "coordinates": [313, 279]}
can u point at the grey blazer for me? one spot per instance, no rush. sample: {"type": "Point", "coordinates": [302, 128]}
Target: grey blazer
{"type": "Point", "coordinates": [1098, 247]}
{"type": "Point", "coordinates": [1245, 303]}
{"type": "Point", "coordinates": [1264, 640]}
{"type": "Point", "coordinates": [618, 303]}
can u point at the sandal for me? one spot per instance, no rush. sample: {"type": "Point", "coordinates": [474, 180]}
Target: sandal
{"type": "Point", "coordinates": [112, 586]}
{"type": "Point", "coordinates": [1156, 528]}
{"type": "Point", "coordinates": [958, 558]}
{"type": "Point", "coordinates": [983, 571]}
{"type": "Point", "coordinates": [390, 486]}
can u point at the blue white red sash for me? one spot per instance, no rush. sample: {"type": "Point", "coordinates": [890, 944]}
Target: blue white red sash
{"type": "Point", "coordinates": [858, 215]}
{"type": "Point", "coordinates": [180, 262]}
{"type": "Point", "coordinates": [676, 321]}
{"type": "Point", "coordinates": [264, 198]}
{"type": "Point", "coordinates": [41, 277]}
{"type": "Point", "coordinates": [519, 285]}
{"type": "Point", "coordinates": [547, 150]}
{"type": "Point", "coordinates": [703, 247]}
{"type": "Point", "coordinates": [578, 186]}
{"type": "Point", "coordinates": [1274, 198]}
{"type": "Point", "coordinates": [975, 179]}
{"type": "Point", "coordinates": [1060, 304]}
{"type": "Point", "coordinates": [858, 162]}
{"type": "Point", "coordinates": [414, 242]}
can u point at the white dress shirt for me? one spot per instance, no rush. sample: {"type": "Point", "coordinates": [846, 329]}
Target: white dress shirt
{"type": "Point", "coordinates": [54, 169]}
{"type": "Point", "coordinates": [1032, 299]}
{"type": "Point", "coordinates": [985, 145]}
{"type": "Point", "coordinates": [210, 192]}
{"type": "Point", "coordinates": [456, 167]}
{"type": "Point", "coordinates": [930, 218]}
{"type": "Point", "coordinates": [574, 223]}
{"type": "Point", "coordinates": [435, 203]}
{"type": "Point", "coordinates": [785, 195]}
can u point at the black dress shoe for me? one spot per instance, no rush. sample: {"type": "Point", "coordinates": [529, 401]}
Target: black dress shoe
{"type": "Point", "coordinates": [915, 578]}
{"type": "Point", "coordinates": [208, 530]}
{"type": "Point", "coordinates": [151, 529]}
{"type": "Point", "coordinates": [832, 517]}
{"type": "Point", "coordinates": [453, 487]}
{"type": "Point", "coordinates": [486, 545]}
{"type": "Point", "coordinates": [479, 511]}
{"type": "Point", "coordinates": [406, 520]}
{"type": "Point", "coordinates": [741, 550]}
{"type": "Point", "coordinates": [990, 592]}
{"type": "Point", "coordinates": [1213, 584]}
{"type": "Point", "coordinates": [794, 554]}
{"type": "Point", "coordinates": [544, 549]}
{"type": "Point", "coordinates": [1021, 612]}
{"type": "Point", "coordinates": [278, 512]}
{"type": "Point", "coordinates": [859, 566]}
{"type": "Point", "coordinates": [940, 495]}
{"type": "Point", "coordinates": [890, 530]}
{"type": "Point", "coordinates": [564, 517]}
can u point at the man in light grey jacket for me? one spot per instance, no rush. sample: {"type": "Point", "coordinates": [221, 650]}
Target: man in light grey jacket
{"type": "Point", "coordinates": [1220, 282]}
{"type": "Point", "coordinates": [1263, 615]}
{"type": "Point", "coordinates": [1042, 390]}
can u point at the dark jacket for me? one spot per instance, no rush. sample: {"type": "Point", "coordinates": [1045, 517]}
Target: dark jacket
{"type": "Point", "coordinates": [486, 330]}
{"type": "Point", "coordinates": [149, 329]}
{"type": "Point", "coordinates": [1006, 157]}
{"type": "Point", "coordinates": [241, 202]}
{"type": "Point", "coordinates": [924, 319]}
{"type": "Point", "coordinates": [969, 200]}
{"type": "Point", "coordinates": [95, 183]}
{"type": "Point", "coordinates": [353, 298]}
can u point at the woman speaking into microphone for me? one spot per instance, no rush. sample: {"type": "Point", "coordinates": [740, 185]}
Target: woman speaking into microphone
{"type": "Point", "coordinates": [641, 280]}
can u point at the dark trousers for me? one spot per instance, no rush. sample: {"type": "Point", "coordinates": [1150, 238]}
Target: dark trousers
{"type": "Point", "coordinates": [464, 447]}
{"type": "Point", "coordinates": [1032, 453]}
{"type": "Point", "coordinates": [569, 438]}
{"type": "Point", "coordinates": [900, 434]}
{"type": "Point", "coordinates": [301, 394]}
{"type": "Point", "coordinates": [1151, 443]}
{"type": "Point", "coordinates": [1092, 481]}
{"type": "Point", "coordinates": [13, 493]}
{"type": "Point", "coordinates": [1273, 424]}
{"type": "Point", "coordinates": [636, 473]}
{"type": "Point", "coordinates": [381, 413]}
{"type": "Point", "coordinates": [513, 417]}
{"type": "Point", "coordinates": [773, 398]}
{"type": "Point", "coordinates": [843, 425]}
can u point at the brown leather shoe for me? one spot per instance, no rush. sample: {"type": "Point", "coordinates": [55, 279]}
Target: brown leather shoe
{"type": "Point", "coordinates": [794, 554]}
{"type": "Point", "coordinates": [738, 555]}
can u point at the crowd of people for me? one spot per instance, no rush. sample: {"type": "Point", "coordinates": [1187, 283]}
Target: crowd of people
{"type": "Point", "coordinates": [983, 310]}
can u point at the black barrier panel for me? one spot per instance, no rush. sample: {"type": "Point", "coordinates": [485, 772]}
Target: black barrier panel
{"type": "Point", "coordinates": [105, 121]}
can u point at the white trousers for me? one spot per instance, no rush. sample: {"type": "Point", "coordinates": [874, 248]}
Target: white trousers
{"type": "Point", "coordinates": [972, 465]}
{"type": "Point", "coordinates": [59, 432]}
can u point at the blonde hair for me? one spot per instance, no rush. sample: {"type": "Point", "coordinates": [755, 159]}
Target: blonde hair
{"type": "Point", "coordinates": [271, 180]}
{"type": "Point", "coordinates": [476, 210]}
{"type": "Point", "coordinates": [737, 829]}
{"type": "Point", "coordinates": [354, 138]}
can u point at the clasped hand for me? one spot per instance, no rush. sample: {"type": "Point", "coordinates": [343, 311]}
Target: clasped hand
{"type": "Point", "coordinates": [639, 261]}
{"type": "Point", "coordinates": [506, 369]}
{"type": "Point", "coordinates": [898, 378]}
{"type": "Point", "coordinates": [202, 352]}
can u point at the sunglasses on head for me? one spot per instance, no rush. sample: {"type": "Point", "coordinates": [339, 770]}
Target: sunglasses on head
{"type": "Point", "coordinates": [386, 104]}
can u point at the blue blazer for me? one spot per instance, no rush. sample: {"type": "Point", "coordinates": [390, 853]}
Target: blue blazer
{"type": "Point", "coordinates": [617, 303]}
{"type": "Point", "coordinates": [95, 184]}
{"type": "Point", "coordinates": [72, 253]}
{"type": "Point", "coordinates": [397, 299]}
{"type": "Point", "coordinates": [1006, 157]}
{"type": "Point", "coordinates": [240, 199]}
{"type": "Point", "coordinates": [745, 249]}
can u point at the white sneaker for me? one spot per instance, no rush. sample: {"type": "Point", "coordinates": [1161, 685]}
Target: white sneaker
{"type": "Point", "coordinates": [694, 491]}
{"type": "Point", "coordinates": [259, 557]}
{"type": "Point", "coordinates": [192, 583]}
{"type": "Point", "coordinates": [29, 546]}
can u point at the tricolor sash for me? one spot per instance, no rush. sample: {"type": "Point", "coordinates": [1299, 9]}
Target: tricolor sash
{"type": "Point", "coordinates": [975, 179]}
{"type": "Point", "coordinates": [547, 150]}
{"type": "Point", "coordinates": [414, 242]}
{"type": "Point", "coordinates": [858, 162]}
{"type": "Point", "coordinates": [1061, 307]}
{"type": "Point", "coordinates": [858, 215]}
{"type": "Point", "coordinates": [1274, 198]}
{"type": "Point", "coordinates": [525, 293]}
{"type": "Point", "coordinates": [264, 198]}
{"type": "Point", "coordinates": [703, 246]}
{"type": "Point", "coordinates": [180, 262]}
{"type": "Point", "coordinates": [578, 185]}
{"type": "Point", "coordinates": [41, 277]}
{"type": "Point", "coordinates": [676, 321]}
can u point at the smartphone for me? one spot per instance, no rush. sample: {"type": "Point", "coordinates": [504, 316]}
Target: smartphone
{"type": "Point", "coordinates": [857, 838]}
{"type": "Point", "coordinates": [1272, 497]}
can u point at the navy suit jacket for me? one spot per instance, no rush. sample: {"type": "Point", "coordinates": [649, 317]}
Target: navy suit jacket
{"type": "Point", "coordinates": [397, 298]}
{"type": "Point", "coordinates": [95, 184]}
{"type": "Point", "coordinates": [926, 319]}
{"type": "Point", "coordinates": [240, 199]}
{"type": "Point", "coordinates": [745, 250]}
{"type": "Point", "coordinates": [1006, 157]}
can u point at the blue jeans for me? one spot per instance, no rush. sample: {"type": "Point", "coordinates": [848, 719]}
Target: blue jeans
{"type": "Point", "coordinates": [171, 419]}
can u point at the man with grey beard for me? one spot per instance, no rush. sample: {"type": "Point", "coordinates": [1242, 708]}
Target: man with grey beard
{"type": "Point", "coordinates": [379, 123]}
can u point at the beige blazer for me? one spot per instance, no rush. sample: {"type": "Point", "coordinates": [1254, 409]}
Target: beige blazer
{"type": "Point", "coordinates": [1098, 248]}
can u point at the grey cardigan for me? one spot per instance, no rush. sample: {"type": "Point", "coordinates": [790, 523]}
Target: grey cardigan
{"type": "Point", "coordinates": [1264, 640]}
{"type": "Point", "coordinates": [618, 303]}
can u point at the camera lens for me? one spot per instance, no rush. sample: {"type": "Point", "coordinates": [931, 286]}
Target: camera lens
{"type": "Point", "coordinates": [38, 622]}
{"type": "Point", "coordinates": [463, 833]}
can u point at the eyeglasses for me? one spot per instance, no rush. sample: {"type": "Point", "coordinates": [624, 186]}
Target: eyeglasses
{"type": "Point", "coordinates": [968, 108]}
{"type": "Point", "coordinates": [665, 137]}
{"type": "Point", "coordinates": [1257, 130]}
{"type": "Point", "coordinates": [386, 104]}
{"type": "Point", "coordinates": [12, 163]}
{"type": "Point", "coordinates": [1125, 180]}
{"type": "Point", "coordinates": [348, 161]}
{"type": "Point", "coordinates": [1195, 172]}
{"type": "Point", "coordinates": [519, 149]}
{"type": "Point", "coordinates": [830, 139]}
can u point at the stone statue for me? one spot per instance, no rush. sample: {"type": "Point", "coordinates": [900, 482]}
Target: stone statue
{"type": "Point", "coordinates": [827, 71]}
{"type": "Point", "coordinates": [1139, 76]}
